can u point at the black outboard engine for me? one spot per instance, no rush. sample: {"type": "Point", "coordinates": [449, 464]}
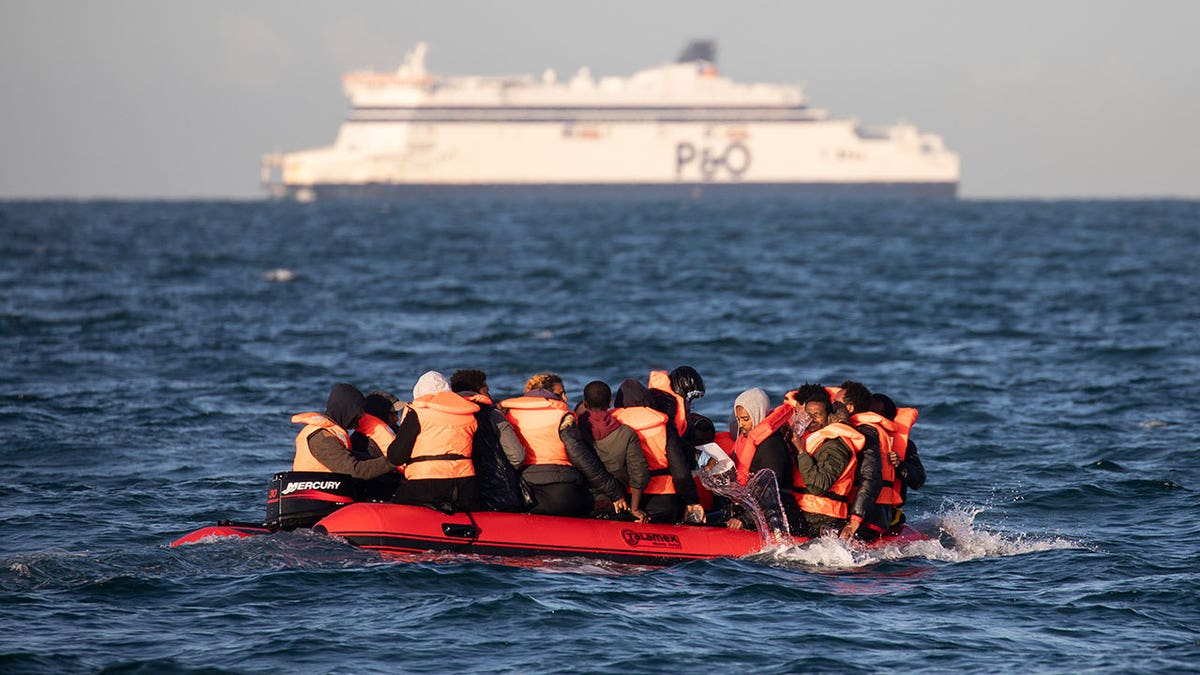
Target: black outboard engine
{"type": "Point", "coordinates": [301, 498]}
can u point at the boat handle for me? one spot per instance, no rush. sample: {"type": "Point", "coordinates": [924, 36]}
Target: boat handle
{"type": "Point", "coordinates": [460, 531]}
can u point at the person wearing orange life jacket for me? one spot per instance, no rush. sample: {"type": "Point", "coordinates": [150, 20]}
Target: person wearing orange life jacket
{"type": "Point", "coordinates": [826, 463]}
{"type": "Point", "coordinates": [324, 443]}
{"type": "Point", "coordinates": [907, 470]}
{"type": "Point", "coordinates": [434, 444]}
{"type": "Point", "coordinates": [617, 445]}
{"type": "Point", "coordinates": [671, 492]}
{"type": "Point", "coordinates": [759, 442]}
{"type": "Point", "coordinates": [867, 518]}
{"type": "Point", "coordinates": [681, 386]}
{"type": "Point", "coordinates": [559, 466]}
{"type": "Point", "coordinates": [672, 394]}
{"type": "Point", "coordinates": [495, 474]}
{"type": "Point", "coordinates": [371, 438]}
{"type": "Point", "coordinates": [376, 428]}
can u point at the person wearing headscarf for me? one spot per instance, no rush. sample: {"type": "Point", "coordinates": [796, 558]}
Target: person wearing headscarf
{"type": "Point", "coordinates": [760, 443]}
{"type": "Point", "coordinates": [435, 445]}
{"type": "Point", "coordinates": [430, 382]}
{"type": "Point", "coordinates": [324, 443]}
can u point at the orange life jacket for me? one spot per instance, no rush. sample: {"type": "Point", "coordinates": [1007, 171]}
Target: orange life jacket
{"type": "Point", "coordinates": [651, 428]}
{"type": "Point", "coordinates": [892, 492]}
{"type": "Point", "coordinates": [661, 380]}
{"type": "Point", "coordinates": [443, 448]}
{"type": "Point", "coordinates": [746, 445]}
{"type": "Point", "coordinates": [536, 421]}
{"type": "Point", "coordinates": [377, 430]}
{"type": "Point", "coordinates": [884, 428]}
{"type": "Point", "coordinates": [304, 460]}
{"type": "Point", "coordinates": [833, 392]}
{"type": "Point", "coordinates": [835, 503]}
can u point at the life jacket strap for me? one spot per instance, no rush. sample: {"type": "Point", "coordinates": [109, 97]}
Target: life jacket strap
{"type": "Point", "coordinates": [434, 458]}
{"type": "Point", "coordinates": [828, 495]}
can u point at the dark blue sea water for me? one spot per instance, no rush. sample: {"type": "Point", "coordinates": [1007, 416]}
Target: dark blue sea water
{"type": "Point", "coordinates": [152, 355]}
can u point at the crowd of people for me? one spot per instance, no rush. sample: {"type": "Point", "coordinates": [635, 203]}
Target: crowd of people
{"type": "Point", "coordinates": [842, 457]}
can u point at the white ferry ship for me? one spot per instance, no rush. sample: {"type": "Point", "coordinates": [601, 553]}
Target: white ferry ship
{"type": "Point", "coordinates": [676, 129]}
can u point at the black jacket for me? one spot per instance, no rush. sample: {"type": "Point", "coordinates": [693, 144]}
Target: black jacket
{"type": "Point", "coordinates": [632, 394]}
{"type": "Point", "coordinates": [775, 454]}
{"type": "Point", "coordinates": [868, 479]}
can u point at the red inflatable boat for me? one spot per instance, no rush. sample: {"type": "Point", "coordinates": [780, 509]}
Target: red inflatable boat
{"type": "Point", "coordinates": [399, 529]}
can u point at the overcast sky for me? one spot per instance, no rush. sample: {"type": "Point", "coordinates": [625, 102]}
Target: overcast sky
{"type": "Point", "coordinates": [1041, 98]}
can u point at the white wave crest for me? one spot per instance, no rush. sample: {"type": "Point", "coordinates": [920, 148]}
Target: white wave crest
{"type": "Point", "coordinates": [280, 274]}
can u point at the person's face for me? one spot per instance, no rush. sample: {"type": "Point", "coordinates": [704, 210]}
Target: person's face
{"type": "Point", "coordinates": [484, 389]}
{"type": "Point", "coordinates": [817, 411]}
{"type": "Point", "coordinates": [558, 390]}
{"type": "Point", "coordinates": [744, 421]}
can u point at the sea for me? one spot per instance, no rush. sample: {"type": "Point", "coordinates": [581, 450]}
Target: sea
{"type": "Point", "coordinates": [153, 352]}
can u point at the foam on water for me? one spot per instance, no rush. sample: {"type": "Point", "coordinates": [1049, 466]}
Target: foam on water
{"type": "Point", "coordinates": [953, 535]}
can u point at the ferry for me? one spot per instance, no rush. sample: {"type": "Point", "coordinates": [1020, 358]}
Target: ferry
{"type": "Point", "coordinates": [674, 130]}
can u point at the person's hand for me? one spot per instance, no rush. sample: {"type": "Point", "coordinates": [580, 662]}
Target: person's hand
{"type": "Point", "coordinates": [849, 530]}
{"type": "Point", "coordinates": [694, 514]}
{"type": "Point", "coordinates": [620, 505]}
{"type": "Point", "coordinates": [640, 516]}
{"type": "Point", "coordinates": [893, 458]}
{"type": "Point", "coordinates": [733, 524]}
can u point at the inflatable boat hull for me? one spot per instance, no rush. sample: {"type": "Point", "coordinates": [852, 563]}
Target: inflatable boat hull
{"type": "Point", "coordinates": [397, 529]}
{"type": "Point", "coordinates": [400, 529]}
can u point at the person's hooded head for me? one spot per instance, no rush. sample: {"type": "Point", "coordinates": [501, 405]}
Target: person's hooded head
{"type": "Point", "coordinates": [749, 408]}
{"type": "Point", "coordinates": [344, 405]}
{"type": "Point", "coordinates": [381, 404]}
{"type": "Point", "coordinates": [632, 394]}
{"type": "Point", "coordinates": [430, 383]}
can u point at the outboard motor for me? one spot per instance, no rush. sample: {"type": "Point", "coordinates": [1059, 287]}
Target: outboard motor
{"type": "Point", "coordinates": [301, 498]}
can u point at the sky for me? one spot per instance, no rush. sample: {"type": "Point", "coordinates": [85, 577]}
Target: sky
{"type": "Point", "coordinates": [1040, 98]}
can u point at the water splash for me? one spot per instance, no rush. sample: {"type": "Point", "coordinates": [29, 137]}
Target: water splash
{"type": "Point", "coordinates": [954, 537]}
{"type": "Point", "coordinates": [759, 498]}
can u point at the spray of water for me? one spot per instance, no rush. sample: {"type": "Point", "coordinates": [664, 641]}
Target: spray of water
{"type": "Point", "coordinates": [954, 537]}
{"type": "Point", "coordinates": [759, 498]}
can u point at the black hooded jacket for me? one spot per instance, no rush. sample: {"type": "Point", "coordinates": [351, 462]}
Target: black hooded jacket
{"type": "Point", "coordinates": [344, 406]}
{"type": "Point", "coordinates": [633, 394]}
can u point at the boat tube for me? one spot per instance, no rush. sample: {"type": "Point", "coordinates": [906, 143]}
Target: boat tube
{"type": "Point", "coordinates": [326, 503]}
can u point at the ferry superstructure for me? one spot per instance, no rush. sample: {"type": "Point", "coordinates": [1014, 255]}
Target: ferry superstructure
{"type": "Point", "coordinates": [679, 128]}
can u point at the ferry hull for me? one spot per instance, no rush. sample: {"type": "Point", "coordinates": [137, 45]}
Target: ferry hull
{"type": "Point", "coordinates": [551, 191]}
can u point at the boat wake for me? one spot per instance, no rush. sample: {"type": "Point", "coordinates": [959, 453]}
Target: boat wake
{"type": "Point", "coordinates": [954, 537]}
